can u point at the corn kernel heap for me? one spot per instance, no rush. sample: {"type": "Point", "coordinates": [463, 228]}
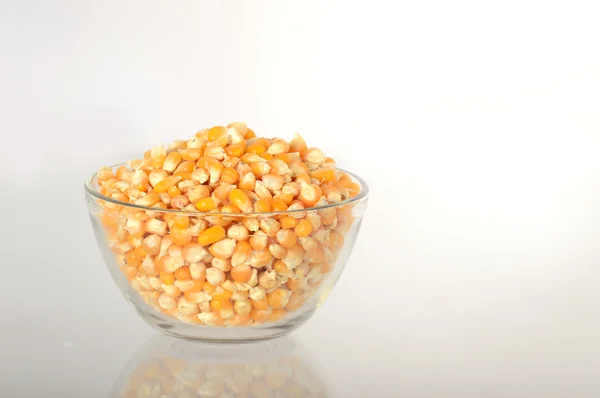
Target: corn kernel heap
{"type": "Point", "coordinates": [227, 268]}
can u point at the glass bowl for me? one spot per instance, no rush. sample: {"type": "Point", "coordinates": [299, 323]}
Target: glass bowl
{"type": "Point", "coordinates": [165, 367]}
{"type": "Point", "coordinates": [177, 269]}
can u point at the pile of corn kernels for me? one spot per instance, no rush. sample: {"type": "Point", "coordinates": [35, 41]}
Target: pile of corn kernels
{"type": "Point", "coordinates": [214, 259]}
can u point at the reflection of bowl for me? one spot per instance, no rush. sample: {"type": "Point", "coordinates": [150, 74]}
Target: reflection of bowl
{"type": "Point", "coordinates": [166, 367]}
{"type": "Point", "coordinates": [188, 289]}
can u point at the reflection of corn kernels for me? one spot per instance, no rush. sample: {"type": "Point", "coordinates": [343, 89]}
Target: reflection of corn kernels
{"type": "Point", "coordinates": [212, 387]}
{"type": "Point", "coordinates": [260, 389]}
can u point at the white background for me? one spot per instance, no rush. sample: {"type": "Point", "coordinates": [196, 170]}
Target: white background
{"type": "Point", "coordinates": [475, 123]}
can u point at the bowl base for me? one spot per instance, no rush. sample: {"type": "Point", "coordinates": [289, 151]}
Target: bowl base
{"type": "Point", "coordinates": [210, 334]}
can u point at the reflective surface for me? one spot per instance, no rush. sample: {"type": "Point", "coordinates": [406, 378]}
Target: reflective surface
{"type": "Point", "coordinates": [477, 272]}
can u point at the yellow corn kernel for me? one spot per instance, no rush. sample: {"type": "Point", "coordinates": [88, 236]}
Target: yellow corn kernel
{"type": "Point", "coordinates": [260, 258]}
{"type": "Point", "coordinates": [158, 154]}
{"type": "Point", "coordinates": [135, 228]}
{"type": "Point", "coordinates": [193, 252]}
{"type": "Point", "coordinates": [310, 195]}
{"type": "Point", "coordinates": [151, 244]}
{"type": "Point", "coordinates": [331, 193]}
{"type": "Point", "coordinates": [314, 155]}
{"type": "Point", "coordinates": [262, 191]}
{"type": "Point", "coordinates": [282, 269]}
{"type": "Point", "coordinates": [198, 192]}
{"type": "Point", "coordinates": [238, 232]}
{"type": "Point", "coordinates": [236, 150]}
{"type": "Point", "coordinates": [241, 254]}
{"type": "Point", "coordinates": [296, 285]}
{"type": "Point", "coordinates": [242, 307]}
{"type": "Point", "coordinates": [180, 236]}
{"type": "Point", "coordinates": [211, 235]}
{"type": "Point", "coordinates": [214, 171]}
{"type": "Point", "coordinates": [309, 243]}
{"type": "Point", "coordinates": [215, 132]}
{"type": "Point", "coordinates": [277, 147]}
{"type": "Point", "coordinates": [139, 180]}
{"type": "Point", "coordinates": [259, 240]}
{"type": "Point", "coordinates": [197, 287]}
{"type": "Point", "coordinates": [231, 209]}
{"type": "Point", "coordinates": [304, 228]}
{"type": "Point", "coordinates": [183, 274]}
{"type": "Point", "coordinates": [299, 167]}
{"type": "Point", "coordinates": [278, 298]}
{"type": "Point", "coordinates": [295, 206]}
{"type": "Point", "coordinates": [191, 153]}
{"type": "Point", "coordinates": [105, 174]}
{"type": "Point", "coordinates": [295, 302]}
{"type": "Point", "coordinates": [277, 251]}
{"type": "Point", "coordinates": [277, 204]}
{"type": "Point", "coordinates": [247, 182]}
{"type": "Point", "coordinates": [286, 238]}
{"type": "Point", "coordinates": [262, 206]}
{"type": "Point", "coordinates": [260, 315]}
{"type": "Point", "coordinates": [288, 222]}
{"type": "Point", "coordinates": [174, 191]}
{"type": "Point", "coordinates": [328, 215]}
{"type": "Point", "coordinates": [209, 287]}
{"type": "Point", "coordinates": [291, 188]}
{"type": "Point", "coordinates": [172, 161]}
{"type": "Point", "coordinates": [262, 303]}
{"type": "Point", "coordinates": [294, 256]}
{"type": "Point", "coordinates": [215, 276]}
{"type": "Point", "coordinates": [229, 175]}
{"type": "Point", "coordinates": [207, 204]}
{"type": "Point", "coordinates": [181, 221]}
{"type": "Point", "coordinates": [223, 191]}
{"type": "Point", "coordinates": [240, 127]}
{"type": "Point", "coordinates": [273, 181]}
{"type": "Point", "coordinates": [187, 166]}
{"type": "Point", "coordinates": [324, 175]}
{"type": "Point", "coordinates": [249, 134]}
{"type": "Point", "coordinates": [260, 168]}
{"type": "Point", "coordinates": [241, 273]}
{"type": "Point", "coordinates": [251, 224]}
{"type": "Point", "coordinates": [267, 156]}
{"type": "Point", "coordinates": [314, 256]}
{"type": "Point", "coordinates": [157, 176]}
{"type": "Point", "coordinates": [167, 278]}
{"type": "Point", "coordinates": [241, 200]}
{"type": "Point", "coordinates": [279, 167]}
{"type": "Point", "coordinates": [216, 385]}
{"type": "Point", "coordinates": [286, 198]}
{"type": "Point", "coordinates": [148, 200]}
{"type": "Point", "coordinates": [223, 248]}
{"type": "Point", "coordinates": [297, 144]}
{"type": "Point", "coordinates": [221, 294]}
{"type": "Point", "coordinates": [222, 142]}
{"type": "Point", "coordinates": [277, 314]}
{"type": "Point", "coordinates": [256, 149]}
{"type": "Point", "coordinates": [205, 161]}
{"type": "Point", "coordinates": [270, 226]}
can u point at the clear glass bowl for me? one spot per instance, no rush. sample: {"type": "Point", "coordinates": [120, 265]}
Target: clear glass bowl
{"type": "Point", "coordinates": [165, 276]}
{"type": "Point", "coordinates": [165, 367]}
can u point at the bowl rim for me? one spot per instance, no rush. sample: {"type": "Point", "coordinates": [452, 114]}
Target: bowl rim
{"type": "Point", "coordinates": [90, 190]}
